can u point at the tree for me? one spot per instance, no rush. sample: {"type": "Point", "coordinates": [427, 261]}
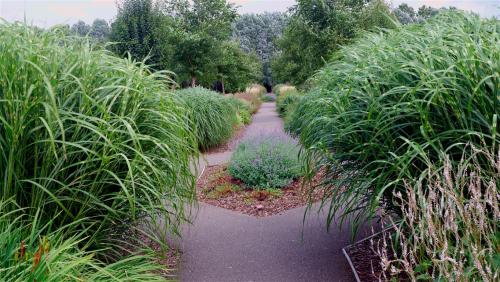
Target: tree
{"type": "Point", "coordinates": [257, 34]}
{"type": "Point", "coordinates": [201, 26]}
{"type": "Point", "coordinates": [135, 30]}
{"type": "Point", "coordinates": [426, 12]}
{"type": "Point", "coordinates": [100, 30]}
{"type": "Point", "coordinates": [316, 29]}
{"type": "Point", "coordinates": [80, 28]}
{"type": "Point", "coordinates": [236, 68]}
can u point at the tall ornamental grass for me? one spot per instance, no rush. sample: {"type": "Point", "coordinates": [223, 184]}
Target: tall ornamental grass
{"type": "Point", "coordinates": [88, 140]}
{"type": "Point", "coordinates": [214, 115]}
{"type": "Point", "coordinates": [450, 228]}
{"type": "Point", "coordinates": [33, 249]}
{"type": "Point", "coordinates": [394, 102]}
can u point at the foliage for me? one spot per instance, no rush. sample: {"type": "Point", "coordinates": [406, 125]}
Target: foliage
{"type": "Point", "coordinates": [407, 15]}
{"type": "Point", "coordinates": [394, 102]}
{"type": "Point", "coordinates": [200, 29]}
{"type": "Point", "coordinates": [32, 252]}
{"type": "Point", "coordinates": [457, 206]}
{"type": "Point", "coordinates": [213, 115]}
{"type": "Point", "coordinates": [269, 160]}
{"type": "Point", "coordinates": [88, 140]}
{"type": "Point", "coordinates": [190, 38]}
{"type": "Point", "coordinates": [257, 33]}
{"type": "Point", "coordinates": [237, 69]}
{"type": "Point", "coordinates": [288, 97]}
{"type": "Point", "coordinates": [316, 30]}
{"type": "Point", "coordinates": [242, 109]}
{"type": "Point", "coordinates": [137, 31]}
{"type": "Point", "coordinates": [99, 30]}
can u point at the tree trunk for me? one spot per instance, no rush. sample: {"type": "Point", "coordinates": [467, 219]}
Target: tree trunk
{"type": "Point", "coordinates": [193, 81]}
{"type": "Point", "coordinates": [223, 88]}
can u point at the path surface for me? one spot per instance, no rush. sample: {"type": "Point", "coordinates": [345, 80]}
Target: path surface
{"type": "Point", "coordinates": [223, 245]}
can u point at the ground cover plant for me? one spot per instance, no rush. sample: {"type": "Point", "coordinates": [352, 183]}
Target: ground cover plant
{"type": "Point", "coordinates": [89, 144]}
{"type": "Point", "coordinates": [214, 116]}
{"type": "Point", "coordinates": [395, 103]}
{"type": "Point", "coordinates": [266, 160]}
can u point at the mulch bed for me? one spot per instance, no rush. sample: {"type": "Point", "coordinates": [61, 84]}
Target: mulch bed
{"type": "Point", "coordinates": [218, 188]}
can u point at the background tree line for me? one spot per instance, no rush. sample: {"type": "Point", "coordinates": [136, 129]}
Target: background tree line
{"type": "Point", "coordinates": [206, 43]}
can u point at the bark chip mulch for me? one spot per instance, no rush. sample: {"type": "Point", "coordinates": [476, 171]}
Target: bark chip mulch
{"type": "Point", "coordinates": [216, 187]}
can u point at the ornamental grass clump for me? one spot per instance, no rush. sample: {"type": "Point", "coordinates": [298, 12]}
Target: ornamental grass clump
{"type": "Point", "coordinates": [242, 109]}
{"type": "Point", "coordinates": [214, 115]}
{"type": "Point", "coordinates": [267, 160]}
{"type": "Point", "coordinates": [88, 141]}
{"type": "Point", "coordinates": [449, 229]}
{"type": "Point", "coordinates": [252, 98]}
{"type": "Point", "coordinates": [396, 101]}
{"type": "Point", "coordinates": [287, 101]}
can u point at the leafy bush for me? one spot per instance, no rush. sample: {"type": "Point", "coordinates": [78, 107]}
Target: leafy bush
{"type": "Point", "coordinates": [394, 102]}
{"type": "Point", "coordinates": [268, 98]}
{"type": "Point", "coordinates": [456, 206]}
{"type": "Point", "coordinates": [242, 109]}
{"type": "Point", "coordinates": [89, 141]}
{"type": "Point", "coordinates": [213, 115]}
{"type": "Point", "coordinates": [263, 161]}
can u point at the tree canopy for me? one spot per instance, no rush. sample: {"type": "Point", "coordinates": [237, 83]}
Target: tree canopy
{"type": "Point", "coordinates": [190, 38]}
{"type": "Point", "coordinates": [257, 33]}
{"type": "Point", "coordinates": [317, 28]}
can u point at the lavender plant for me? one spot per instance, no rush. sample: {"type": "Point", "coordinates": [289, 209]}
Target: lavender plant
{"type": "Point", "coordinates": [266, 160]}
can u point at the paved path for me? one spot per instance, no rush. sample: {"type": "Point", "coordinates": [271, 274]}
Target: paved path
{"type": "Point", "coordinates": [223, 245]}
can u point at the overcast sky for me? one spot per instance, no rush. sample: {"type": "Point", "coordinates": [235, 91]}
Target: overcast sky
{"type": "Point", "coordinates": [49, 12]}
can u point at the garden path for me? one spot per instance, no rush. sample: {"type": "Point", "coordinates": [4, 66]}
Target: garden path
{"type": "Point", "coordinates": [222, 245]}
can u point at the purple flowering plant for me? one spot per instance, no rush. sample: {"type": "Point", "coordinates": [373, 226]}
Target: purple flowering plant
{"type": "Point", "coordinates": [266, 160]}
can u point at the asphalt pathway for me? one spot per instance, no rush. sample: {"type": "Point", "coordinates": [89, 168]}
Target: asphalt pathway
{"type": "Point", "coordinates": [222, 245]}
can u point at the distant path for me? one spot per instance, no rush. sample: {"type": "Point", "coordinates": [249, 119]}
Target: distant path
{"type": "Point", "coordinates": [266, 119]}
{"type": "Point", "coordinates": [223, 245]}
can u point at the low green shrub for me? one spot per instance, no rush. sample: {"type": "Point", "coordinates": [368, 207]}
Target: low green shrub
{"type": "Point", "coordinates": [213, 114]}
{"type": "Point", "coordinates": [395, 101]}
{"type": "Point", "coordinates": [265, 161]}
